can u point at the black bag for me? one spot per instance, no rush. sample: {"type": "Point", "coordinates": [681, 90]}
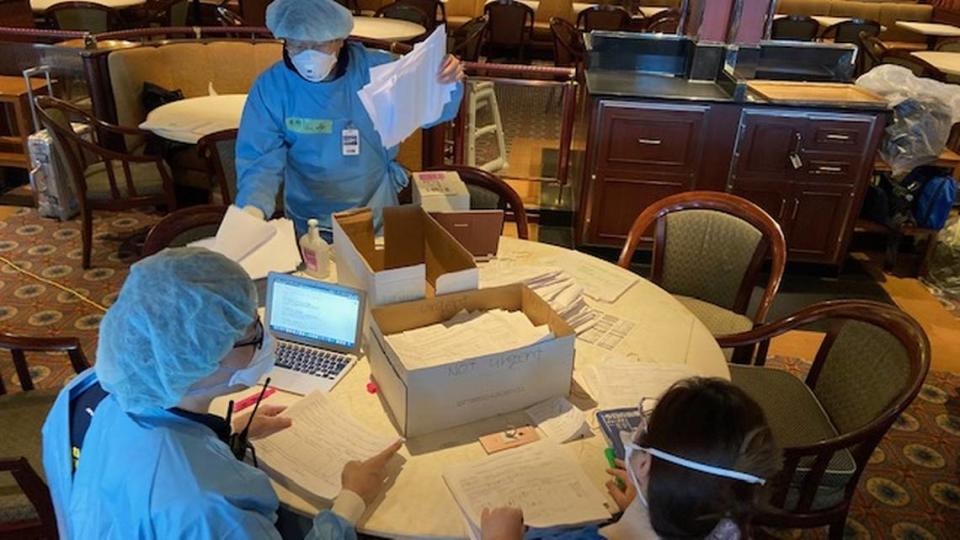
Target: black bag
{"type": "Point", "coordinates": [154, 96]}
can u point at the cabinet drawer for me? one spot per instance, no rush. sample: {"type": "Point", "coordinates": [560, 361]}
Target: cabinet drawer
{"type": "Point", "coordinates": [839, 169]}
{"type": "Point", "coordinates": [654, 138]}
{"type": "Point", "coordinates": [836, 135]}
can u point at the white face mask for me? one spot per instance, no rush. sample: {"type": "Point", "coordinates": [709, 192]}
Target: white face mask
{"type": "Point", "coordinates": [261, 364]}
{"type": "Point", "coordinates": [312, 65]}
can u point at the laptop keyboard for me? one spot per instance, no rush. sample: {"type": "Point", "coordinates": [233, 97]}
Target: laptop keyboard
{"type": "Point", "coordinates": [310, 360]}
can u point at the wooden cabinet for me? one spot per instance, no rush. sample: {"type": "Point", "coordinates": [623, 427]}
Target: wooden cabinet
{"type": "Point", "coordinates": [808, 168]}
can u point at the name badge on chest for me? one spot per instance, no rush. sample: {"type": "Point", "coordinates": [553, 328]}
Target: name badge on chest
{"type": "Point", "coordinates": [350, 141]}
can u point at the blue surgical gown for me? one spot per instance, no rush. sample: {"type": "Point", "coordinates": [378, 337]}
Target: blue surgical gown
{"type": "Point", "coordinates": [157, 476]}
{"type": "Point", "coordinates": [292, 131]}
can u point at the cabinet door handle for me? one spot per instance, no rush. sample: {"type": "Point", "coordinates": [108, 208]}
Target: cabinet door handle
{"type": "Point", "coordinates": [826, 168]}
{"type": "Point", "coordinates": [651, 142]}
{"type": "Point", "coordinates": [796, 206]}
{"type": "Point", "coordinates": [783, 204]}
{"type": "Point", "coordinates": [838, 137]}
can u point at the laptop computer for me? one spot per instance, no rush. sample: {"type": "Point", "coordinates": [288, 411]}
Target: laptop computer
{"type": "Point", "coordinates": [478, 231]}
{"type": "Point", "coordinates": [317, 328]}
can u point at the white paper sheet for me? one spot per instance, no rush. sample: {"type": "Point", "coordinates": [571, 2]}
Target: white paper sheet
{"type": "Point", "coordinates": [550, 283]}
{"type": "Point", "coordinates": [600, 280]}
{"type": "Point", "coordinates": [540, 478]}
{"type": "Point", "coordinates": [311, 453]}
{"type": "Point", "coordinates": [559, 419]}
{"type": "Point", "coordinates": [404, 95]}
{"type": "Point", "coordinates": [240, 234]}
{"type": "Point", "coordinates": [279, 253]}
{"type": "Point", "coordinates": [619, 383]}
{"type": "Point", "coordinates": [608, 331]}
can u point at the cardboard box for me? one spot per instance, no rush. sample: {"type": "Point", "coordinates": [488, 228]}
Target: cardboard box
{"type": "Point", "coordinates": [419, 258]}
{"type": "Point", "coordinates": [429, 399]}
{"type": "Point", "coordinates": [440, 191]}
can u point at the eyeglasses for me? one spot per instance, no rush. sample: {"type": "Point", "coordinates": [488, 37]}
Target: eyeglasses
{"type": "Point", "coordinates": [256, 340]}
{"type": "Point", "coordinates": [296, 47]}
{"type": "Point", "coordinates": [641, 430]}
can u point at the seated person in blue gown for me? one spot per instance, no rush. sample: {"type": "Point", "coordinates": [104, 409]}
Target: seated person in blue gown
{"type": "Point", "coordinates": [305, 127]}
{"type": "Point", "coordinates": [129, 448]}
{"type": "Point", "coordinates": [693, 471]}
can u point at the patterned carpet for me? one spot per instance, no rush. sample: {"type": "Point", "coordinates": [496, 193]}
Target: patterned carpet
{"type": "Point", "coordinates": [911, 489]}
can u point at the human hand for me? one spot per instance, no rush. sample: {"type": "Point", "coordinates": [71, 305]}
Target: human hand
{"type": "Point", "coordinates": [451, 71]}
{"type": "Point", "coordinates": [265, 423]}
{"type": "Point", "coordinates": [254, 211]}
{"type": "Point", "coordinates": [365, 478]}
{"type": "Point", "coordinates": [504, 523]}
{"type": "Point", "coordinates": [622, 496]}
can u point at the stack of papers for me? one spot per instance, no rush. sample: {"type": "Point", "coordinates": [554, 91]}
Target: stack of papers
{"type": "Point", "coordinates": [552, 284]}
{"type": "Point", "coordinates": [600, 280]}
{"type": "Point", "coordinates": [311, 453]}
{"type": "Point", "coordinates": [559, 420]}
{"type": "Point", "coordinates": [466, 335]}
{"type": "Point", "coordinates": [617, 383]}
{"type": "Point", "coordinates": [404, 95]}
{"type": "Point", "coordinates": [259, 246]}
{"type": "Point", "coordinates": [541, 478]}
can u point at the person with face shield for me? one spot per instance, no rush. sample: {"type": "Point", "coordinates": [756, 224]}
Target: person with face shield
{"type": "Point", "coordinates": [129, 448]}
{"type": "Point", "coordinates": [303, 125]}
{"type": "Point", "coordinates": [694, 469]}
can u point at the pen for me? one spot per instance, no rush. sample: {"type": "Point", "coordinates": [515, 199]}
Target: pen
{"type": "Point", "coordinates": [611, 461]}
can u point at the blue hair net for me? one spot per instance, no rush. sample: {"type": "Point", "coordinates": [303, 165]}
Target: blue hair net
{"type": "Point", "coordinates": [178, 314]}
{"type": "Point", "coordinates": [309, 20]}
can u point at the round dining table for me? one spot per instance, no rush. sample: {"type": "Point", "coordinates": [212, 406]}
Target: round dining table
{"type": "Point", "coordinates": [42, 5]}
{"type": "Point", "coordinates": [417, 503]}
{"type": "Point", "coordinates": [386, 29]}
{"type": "Point", "coordinates": [189, 120]}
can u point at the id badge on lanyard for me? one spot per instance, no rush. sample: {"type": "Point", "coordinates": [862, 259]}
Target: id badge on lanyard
{"type": "Point", "coordinates": [350, 141]}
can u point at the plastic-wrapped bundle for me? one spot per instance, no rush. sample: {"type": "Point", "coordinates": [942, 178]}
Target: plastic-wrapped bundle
{"type": "Point", "coordinates": [924, 113]}
{"type": "Point", "coordinates": [943, 270]}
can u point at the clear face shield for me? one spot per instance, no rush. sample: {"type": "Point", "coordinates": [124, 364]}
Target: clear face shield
{"type": "Point", "coordinates": [633, 447]}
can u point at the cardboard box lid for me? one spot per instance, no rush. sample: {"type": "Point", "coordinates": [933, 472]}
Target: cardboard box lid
{"type": "Point", "coordinates": [410, 236]}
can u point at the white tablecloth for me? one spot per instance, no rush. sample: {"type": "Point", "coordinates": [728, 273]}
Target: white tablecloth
{"type": "Point", "coordinates": [418, 504]}
{"type": "Point", "coordinates": [43, 5]}
{"type": "Point", "coordinates": [930, 29]}
{"type": "Point", "coordinates": [189, 120]}
{"type": "Point", "coordinates": [386, 29]}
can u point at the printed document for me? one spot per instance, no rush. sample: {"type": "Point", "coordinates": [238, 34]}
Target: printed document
{"type": "Point", "coordinates": [552, 284]}
{"type": "Point", "coordinates": [541, 478]}
{"type": "Point", "coordinates": [312, 452]}
{"type": "Point", "coordinates": [600, 280]}
{"type": "Point", "coordinates": [404, 95]}
{"type": "Point", "coordinates": [259, 246]}
{"type": "Point", "coordinates": [618, 382]}
{"type": "Point", "coordinates": [559, 419]}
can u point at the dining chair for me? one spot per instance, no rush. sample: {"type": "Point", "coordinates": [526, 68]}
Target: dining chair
{"type": "Point", "coordinates": [219, 151]}
{"type": "Point", "coordinates": [849, 31]}
{"type": "Point", "coordinates": [509, 30]}
{"type": "Point", "coordinates": [468, 39]}
{"type": "Point", "coordinates": [26, 510]}
{"type": "Point", "coordinates": [84, 17]}
{"type": "Point", "coordinates": [708, 249]}
{"type": "Point", "coordinates": [488, 192]}
{"type": "Point", "coordinates": [104, 179]}
{"type": "Point", "coordinates": [569, 49]}
{"type": "Point", "coordinates": [919, 67]}
{"type": "Point", "coordinates": [665, 22]}
{"type": "Point", "coordinates": [872, 50]}
{"type": "Point", "coordinates": [795, 28]}
{"type": "Point", "coordinates": [16, 13]}
{"type": "Point", "coordinates": [254, 12]}
{"type": "Point", "coordinates": [603, 17]}
{"type": "Point", "coordinates": [406, 12]}
{"type": "Point", "coordinates": [869, 367]}
{"type": "Point", "coordinates": [433, 8]}
{"type": "Point", "coordinates": [177, 229]}
{"type": "Point", "coordinates": [227, 17]}
{"type": "Point", "coordinates": [949, 45]}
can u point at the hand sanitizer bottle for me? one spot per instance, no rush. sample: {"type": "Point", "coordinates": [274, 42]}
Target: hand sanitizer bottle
{"type": "Point", "coordinates": [315, 251]}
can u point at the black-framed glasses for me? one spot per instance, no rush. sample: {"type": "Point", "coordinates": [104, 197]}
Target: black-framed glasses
{"type": "Point", "coordinates": [256, 340]}
{"type": "Point", "coordinates": [645, 408]}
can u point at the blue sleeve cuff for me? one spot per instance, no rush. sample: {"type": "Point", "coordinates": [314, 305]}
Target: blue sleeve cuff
{"type": "Point", "coordinates": [329, 526]}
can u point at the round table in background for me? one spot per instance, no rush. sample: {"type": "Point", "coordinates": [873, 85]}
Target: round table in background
{"type": "Point", "coordinates": [386, 29]}
{"type": "Point", "coordinates": [946, 61]}
{"type": "Point", "coordinates": [418, 503]}
{"type": "Point", "coordinates": [189, 120]}
{"type": "Point", "coordinates": [43, 5]}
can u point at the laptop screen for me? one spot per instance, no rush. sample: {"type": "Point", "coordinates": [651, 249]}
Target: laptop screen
{"type": "Point", "coordinates": [313, 312]}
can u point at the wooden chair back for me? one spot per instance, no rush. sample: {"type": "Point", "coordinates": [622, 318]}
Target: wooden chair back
{"type": "Point", "coordinates": [849, 31]}
{"type": "Point", "coordinates": [186, 225]}
{"type": "Point", "coordinates": [19, 346]}
{"type": "Point", "coordinates": [468, 39]}
{"type": "Point", "coordinates": [568, 46]}
{"type": "Point", "coordinates": [510, 23]}
{"type": "Point", "coordinates": [254, 12]}
{"type": "Point", "coordinates": [433, 8]}
{"type": "Point", "coordinates": [949, 45]}
{"type": "Point", "coordinates": [406, 12]}
{"type": "Point", "coordinates": [919, 66]}
{"type": "Point", "coordinates": [665, 22]}
{"type": "Point", "coordinates": [84, 17]}
{"type": "Point", "coordinates": [771, 242]}
{"type": "Point", "coordinates": [603, 17]}
{"type": "Point", "coordinates": [16, 13]}
{"type": "Point", "coordinates": [795, 28]}
{"type": "Point", "coordinates": [876, 329]}
{"type": "Point", "coordinates": [483, 185]}
{"type": "Point", "coordinates": [219, 151]}
{"type": "Point", "coordinates": [872, 50]}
